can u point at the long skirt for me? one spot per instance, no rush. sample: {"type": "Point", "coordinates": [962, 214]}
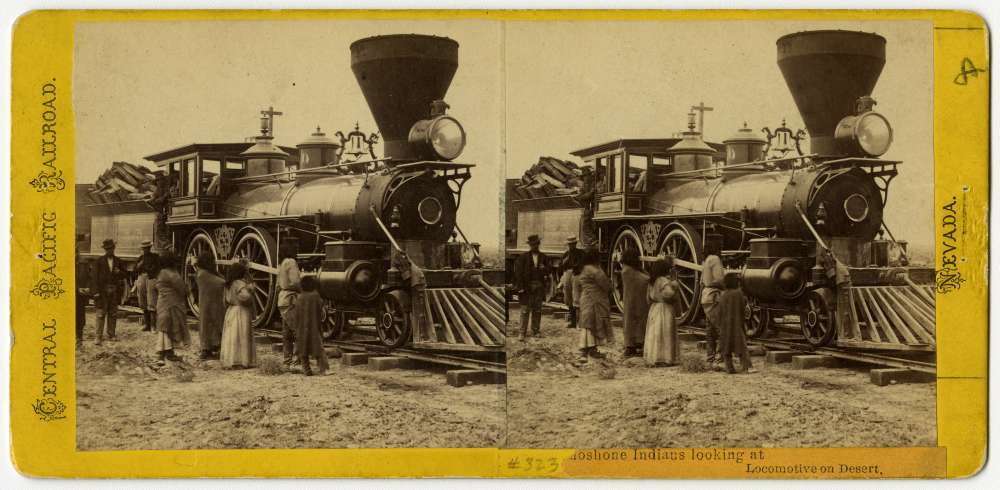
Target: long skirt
{"type": "Point", "coordinates": [237, 347]}
{"type": "Point", "coordinates": [661, 345]}
{"type": "Point", "coordinates": [163, 342]}
{"type": "Point", "coordinates": [172, 323]}
{"type": "Point", "coordinates": [587, 340]}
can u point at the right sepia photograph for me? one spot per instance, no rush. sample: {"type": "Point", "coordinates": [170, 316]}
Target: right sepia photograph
{"type": "Point", "coordinates": [720, 234]}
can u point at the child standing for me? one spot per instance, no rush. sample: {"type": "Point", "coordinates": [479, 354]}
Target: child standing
{"type": "Point", "coordinates": [731, 334]}
{"type": "Point", "coordinates": [310, 313]}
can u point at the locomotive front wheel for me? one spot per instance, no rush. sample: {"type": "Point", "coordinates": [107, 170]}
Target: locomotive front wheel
{"type": "Point", "coordinates": [392, 323]}
{"type": "Point", "coordinates": [627, 239]}
{"type": "Point", "coordinates": [756, 319]}
{"type": "Point", "coordinates": [258, 252]}
{"type": "Point", "coordinates": [818, 320]}
{"type": "Point", "coordinates": [200, 243]}
{"type": "Point", "coordinates": [685, 247]}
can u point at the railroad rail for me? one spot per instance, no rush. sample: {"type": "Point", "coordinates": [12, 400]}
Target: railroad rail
{"type": "Point", "coordinates": [879, 359]}
{"type": "Point", "coordinates": [449, 359]}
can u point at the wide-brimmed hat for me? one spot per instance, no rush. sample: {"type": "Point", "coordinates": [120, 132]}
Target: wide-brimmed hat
{"type": "Point", "coordinates": [534, 239]}
{"type": "Point", "coordinates": [146, 244]}
{"type": "Point", "coordinates": [571, 239]}
{"type": "Point", "coordinates": [108, 243]}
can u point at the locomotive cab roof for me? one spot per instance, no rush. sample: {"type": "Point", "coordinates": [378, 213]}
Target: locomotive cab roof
{"type": "Point", "coordinates": [638, 144]}
{"type": "Point", "coordinates": [161, 158]}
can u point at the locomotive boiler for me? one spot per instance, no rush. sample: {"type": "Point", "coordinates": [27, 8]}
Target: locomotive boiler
{"type": "Point", "coordinates": [804, 232]}
{"type": "Point", "coordinates": [380, 234]}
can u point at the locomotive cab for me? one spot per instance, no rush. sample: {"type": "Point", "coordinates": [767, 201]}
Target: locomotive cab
{"type": "Point", "coordinates": [200, 176]}
{"type": "Point", "coordinates": [630, 169]}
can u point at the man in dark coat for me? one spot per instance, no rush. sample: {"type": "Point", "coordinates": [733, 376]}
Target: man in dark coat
{"type": "Point", "coordinates": [106, 278]}
{"type": "Point", "coordinates": [531, 277]}
{"type": "Point", "coordinates": [570, 259]}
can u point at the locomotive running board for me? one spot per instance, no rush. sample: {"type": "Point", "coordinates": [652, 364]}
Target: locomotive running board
{"type": "Point", "coordinates": [468, 319]}
{"type": "Point", "coordinates": [889, 317]}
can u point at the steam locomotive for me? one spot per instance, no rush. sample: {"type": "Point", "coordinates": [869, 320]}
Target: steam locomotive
{"type": "Point", "coordinates": [805, 232]}
{"type": "Point", "coordinates": [380, 234]}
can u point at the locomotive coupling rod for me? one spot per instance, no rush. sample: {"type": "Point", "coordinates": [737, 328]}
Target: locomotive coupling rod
{"type": "Point", "coordinates": [385, 230]}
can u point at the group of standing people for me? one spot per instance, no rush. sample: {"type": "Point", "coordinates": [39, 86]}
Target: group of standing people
{"type": "Point", "coordinates": [225, 305]}
{"type": "Point", "coordinates": [651, 303]}
{"type": "Point", "coordinates": [160, 290]}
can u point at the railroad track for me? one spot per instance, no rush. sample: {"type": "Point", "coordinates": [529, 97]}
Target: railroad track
{"type": "Point", "coordinates": [921, 364]}
{"type": "Point", "coordinates": [372, 347]}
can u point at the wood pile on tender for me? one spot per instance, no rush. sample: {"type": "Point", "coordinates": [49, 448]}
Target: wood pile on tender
{"type": "Point", "coordinates": [124, 182]}
{"type": "Point", "coordinates": [549, 177]}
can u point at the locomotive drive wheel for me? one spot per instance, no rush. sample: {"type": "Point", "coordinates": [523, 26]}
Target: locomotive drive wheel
{"type": "Point", "coordinates": [198, 244]}
{"type": "Point", "coordinates": [818, 319]}
{"type": "Point", "coordinates": [683, 244]}
{"type": "Point", "coordinates": [258, 251]}
{"type": "Point", "coordinates": [627, 238]}
{"type": "Point", "coordinates": [756, 319]}
{"type": "Point", "coordinates": [392, 323]}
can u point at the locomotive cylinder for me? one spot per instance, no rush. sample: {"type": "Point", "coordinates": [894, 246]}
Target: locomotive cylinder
{"type": "Point", "coordinates": [776, 270]}
{"type": "Point", "coordinates": [350, 271]}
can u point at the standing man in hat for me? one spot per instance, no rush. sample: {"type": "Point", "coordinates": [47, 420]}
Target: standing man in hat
{"type": "Point", "coordinates": [106, 286]}
{"type": "Point", "coordinates": [147, 267]}
{"type": "Point", "coordinates": [570, 259]}
{"type": "Point", "coordinates": [531, 277]}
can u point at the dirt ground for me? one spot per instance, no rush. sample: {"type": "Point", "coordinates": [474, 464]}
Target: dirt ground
{"type": "Point", "coordinates": [552, 403]}
{"type": "Point", "coordinates": [125, 401]}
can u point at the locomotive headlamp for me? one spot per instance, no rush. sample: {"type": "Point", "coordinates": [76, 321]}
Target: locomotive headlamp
{"type": "Point", "coordinates": [867, 133]}
{"type": "Point", "coordinates": [443, 136]}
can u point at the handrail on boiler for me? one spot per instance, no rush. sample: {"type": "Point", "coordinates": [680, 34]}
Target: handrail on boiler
{"type": "Point", "coordinates": [331, 166]}
{"type": "Point", "coordinates": [385, 230]}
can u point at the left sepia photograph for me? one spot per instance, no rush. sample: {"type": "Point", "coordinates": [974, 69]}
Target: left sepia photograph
{"type": "Point", "coordinates": [288, 234]}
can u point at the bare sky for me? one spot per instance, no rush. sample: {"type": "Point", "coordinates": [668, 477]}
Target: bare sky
{"type": "Point", "coordinates": [575, 84]}
{"type": "Point", "coordinates": [522, 90]}
{"type": "Point", "coordinates": [143, 87]}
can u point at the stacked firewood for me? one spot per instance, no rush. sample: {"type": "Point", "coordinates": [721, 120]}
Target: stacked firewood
{"type": "Point", "coordinates": [549, 177]}
{"type": "Point", "coordinates": [124, 182]}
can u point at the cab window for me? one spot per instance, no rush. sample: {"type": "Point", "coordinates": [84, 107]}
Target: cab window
{"type": "Point", "coordinates": [614, 179]}
{"type": "Point", "coordinates": [174, 179]}
{"type": "Point", "coordinates": [637, 166]}
{"type": "Point", "coordinates": [235, 167]}
{"type": "Point", "coordinates": [211, 170]}
{"type": "Point", "coordinates": [190, 177]}
{"type": "Point", "coordinates": [600, 173]}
